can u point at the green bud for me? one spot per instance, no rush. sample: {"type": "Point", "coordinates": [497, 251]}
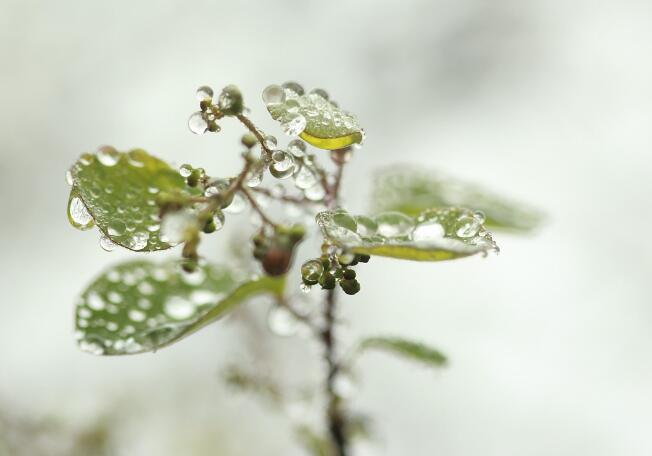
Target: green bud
{"type": "Point", "coordinates": [213, 127]}
{"type": "Point", "coordinates": [230, 101]}
{"type": "Point", "coordinates": [204, 104]}
{"type": "Point", "coordinates": [195, 176]}
{"type": "Point", "coordinates": [362, 258]}
{"type": "Point", "coordinates": [349, 274]}
{"type": "Point", "coordinates": [327, 281]}
{"type": "Point", "coordinates": [350, 286]}
{"type": "Point", "coordinates": [249, 140]}
{"type": "Point", "coordinates": [209, 226]}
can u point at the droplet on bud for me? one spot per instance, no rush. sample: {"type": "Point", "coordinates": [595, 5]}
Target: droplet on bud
{"type": "Point", "coordinates": [204, 93]}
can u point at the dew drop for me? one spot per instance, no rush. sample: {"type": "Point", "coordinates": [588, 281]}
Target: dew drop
{"type": "Point", "coordinates": [273, 94]}
{"type": "Point", "coordinates": [185, 170]}
{"type": "Point", "coordinates": [297, 148]}
{"type": "Point", "coordinates": [69, 178]}
{"type": "Point", "coordinates": [393, 224]}
{"type": "Point", "coordinates": [311, 270]}
{"type": "Point", "coordinates": [305, 178]}
{"type": "Point", "coordinates": [95, 301]}
{"type": "Point", "coordinates": [108, 155]}
{"type": "Point", "coordinates": [106, 243]}
{"type": "Point", "coordinates": [203, 93]}
{"type": "Point", "coordinates": [428, 231]}
{"type": "Point", "coordinates": [138, 240]}
{"type": "Point", "coordinates": [179, 308]}
{"type": "Point", "coordinates": [197, 124]}
{"type": "Point", "coordinates": [136, 315]}
{"type": "Point", "coordinates": [78, 215]}
{"type": "Point", "coordinates": [293, 124]}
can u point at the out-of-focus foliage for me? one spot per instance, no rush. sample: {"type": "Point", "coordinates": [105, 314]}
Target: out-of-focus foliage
{"type": "Point", "coordinates": [411, 190]}
{"type": "Point", "coordinates": [405, 348]}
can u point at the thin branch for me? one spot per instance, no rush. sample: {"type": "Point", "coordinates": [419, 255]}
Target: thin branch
{"type": "Point", "coordinates": [256, 207]}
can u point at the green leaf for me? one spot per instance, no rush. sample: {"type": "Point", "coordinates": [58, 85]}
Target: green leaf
{"type": "Point", "coordinates": [435, 235]}
{"type": "Point", "coordinates": [312, 116]}
{"type": "Point", "coordinates": [140, 306]}
{"type": "Point", "coordinates": [118, 191]}
{"type": "Point", "coordinates": [402, 347]}
{"type": "Point", "coordinates": [411, 190]}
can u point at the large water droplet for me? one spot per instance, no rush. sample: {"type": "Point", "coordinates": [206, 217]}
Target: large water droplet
{"type": "Point", "coordinates": [273, 94]}
{"type": "Point", "coordinates": [311, 270]}
{"type": "Point", "coordinates": [108, 155]}
{"type": "Point", "coordinates": [197, 124]}
{"type": "Point", "coordinates": [78, 215]}
{"type": "Point", "coordinates": [297, 148]}
{"type": "Point", "coordinates": [428, 231]}
{"type": "Point", "coordinates": [467, 227]}
{"type": "Point", "coordinates": [106, 243]}
{"type": "Point", "coordinates": [293, 124]}
{"type": "Point", "coordinates": [179, 308]}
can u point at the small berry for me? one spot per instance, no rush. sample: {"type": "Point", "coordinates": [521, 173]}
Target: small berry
{"type": "Point", "coordinates": [327, 281]}
{"type": "Point", "coordinates": [362, 258]}
{"type": "Point", "coordinates": [350, 286]}
{"type": "Point", "coordinates": [249, 140]}
{"type": "Point", "coordinates": [349, 274]}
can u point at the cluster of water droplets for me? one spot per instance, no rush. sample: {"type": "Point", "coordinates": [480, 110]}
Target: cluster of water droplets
{"type": "Point", "coordinates": [313, 112]}
{"type": "Point", "coordinates": [118, 192]}
{"type": "Point", "coordinates": [140, 306]}
{"type": "Point", "coordinates": [453, 229]}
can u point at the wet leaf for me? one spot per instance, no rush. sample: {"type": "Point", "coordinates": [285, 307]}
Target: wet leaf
{"type": "Point", "coordinates": [411, 191]}
{"type": "Point", "coordinates": [317, 120]}
{"type": "Point", "coordinates": [435, 235]}
{"type": "Point", "coordinates": [118, 190]}
{"type": "Point", "coordinates": [408, 349]}
{"type": "Point", "coordinates": [140, 306]}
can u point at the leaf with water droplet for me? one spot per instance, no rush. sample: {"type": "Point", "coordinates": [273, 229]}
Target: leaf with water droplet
{"type": "Point", "coordinates": [313, 117]}
{"type": "Point", "coordinates": [141, 306]}
{"type": "Point", "coordinates": [415, 351]}
{"type": "Point", "coordinates": [411, 191]}
{"type": "Point", "coordinates": [435, 235]}
{"type": "Point", "coordinates": [118, 190]}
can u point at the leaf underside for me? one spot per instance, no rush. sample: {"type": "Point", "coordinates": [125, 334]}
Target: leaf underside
{"type": "Point", "coordinates": [410, 190]}
{"type": "Point", "coordinates": [140, 306]}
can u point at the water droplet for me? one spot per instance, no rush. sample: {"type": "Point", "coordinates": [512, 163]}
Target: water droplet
{"type": "Point", "coordinates": [270, 142]}
{"type": "Point", "coordinates": [237, 205]}
{"type": "Point", "coordinates": [179, 308]}
{"type": "Point", "coordinates": [185, 170]}
{"type": "Point", "coordinates": [366, 226]}
{"type": "Point", "coordinates": [311, 270]}
{"type": "Point", "coordinates": [136, 315]}
{"type": "Point", "coordinates": [467, 226]}
{"type": "Point", "coordinates": [218, 220]}
{"type": "Point", "coordinates": [106, 243]}
{"type": "Point", "coordinates": [297, 148]}
{"type": "Point", "coordinates": [321, 92]}
{"type": "Point", "coordinates": [108, 155]}
{"type": "Point", "coordinates": [116, 228]}
{"type": "Point", "coordinates": [294, 87]}
{"type": "Point", "coordinates": [479, 216]}
{"type": "Point", "coordinates": [305, 178]}
{"type": "Point", "coordinates": [78, 215]}
{"type": "Point", "coordinates": [428, 231]}
{"type": "Point", "coordinates": [393, 224]}
{"type": "Point", "coordinates": [273, 94]}
{"type": "Point", "coordinates": [197, 124]}
{"type": "Point", "coordinates": [282, 160]}
{"type": "Point", "coordinates": [281, 322]}
{"type": "Point", "coordinates": [203, 93]}
{"type": "Point", "coordinates": [69, 178]}
{"type": "Point", "coordinates": [95, 301]}
{"type": "Point", "coordinates": [293, 124]}
{"type": "Point", "coordinates": [138, 240]}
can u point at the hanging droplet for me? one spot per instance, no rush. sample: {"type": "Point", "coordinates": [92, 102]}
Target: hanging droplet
{"type": "Point", "coordinates": [273, 94]}
{"type": "Point", "coordinates": [108, 155]}
{"type": "Point", "coordinates": [311, 270]}
{"type": "Point", "coordinates": [106, 243]}
{"type": "Point", "coordinates": [305, 178]}
{"type": "Point", "coordinates": [237, 205]}
{"type": "Point", "coordinates": [218, 220]}
{"type": "Point", "coordinates": [297, 148]}
{"type": "Point", "coordinates": [197, 123]}
{"type": "Point", "coordinates": [282, 160]}
{"type": "Point", "coordinates": [280, 173]}
{"type": "Point", "coordinates": [293, 124]}
{"type": "Point", "coordinates": [78, 215]}
{"type": "Point", "coordinates": [270, 142]}
{"type": "Point", "coordinates": [204, 93]}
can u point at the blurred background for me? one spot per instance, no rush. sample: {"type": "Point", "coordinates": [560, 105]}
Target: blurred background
{"type": "Point", "coordinates": [545, 101]}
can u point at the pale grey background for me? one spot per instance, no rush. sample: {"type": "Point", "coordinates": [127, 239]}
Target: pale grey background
{"type": "Point", "coordinates": [545, 100]}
